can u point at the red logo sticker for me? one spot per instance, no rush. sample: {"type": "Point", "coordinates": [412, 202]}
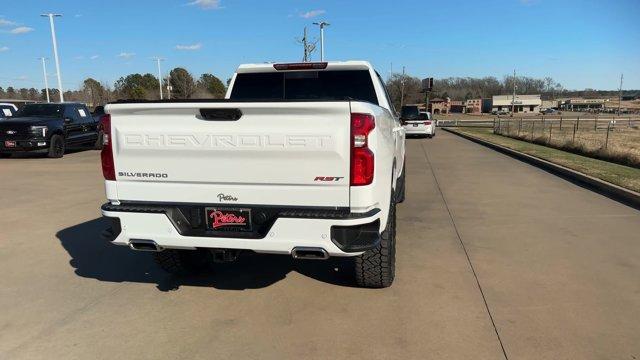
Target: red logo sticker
{"type": "Point", "coordinates": [221, 219]}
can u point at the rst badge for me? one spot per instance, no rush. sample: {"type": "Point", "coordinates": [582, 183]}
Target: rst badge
{"type": "Point", "coordinates": [328, 178]}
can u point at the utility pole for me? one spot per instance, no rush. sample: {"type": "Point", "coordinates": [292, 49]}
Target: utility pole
{"type": "Point", "coordinates": [55, 51]}
{"type": "Point", "coordinates": [305, 57]}
{"type": "Point", "coordinates": [620, 95]}
{"type": "Point", "coordinates": [46, 82]}
{"type": "Point", "coordinates": [391, 72]}
{"type": "Point", "coordinates": [402, 89]}
{"type": "Point", "coordinates": [157, 60]}
{"type": "Point", "coordinates": [322, 25]}
{"type": "Point", "coordinates": [308, 47]}
{"type": "Point", "coordinates": [513, 99]}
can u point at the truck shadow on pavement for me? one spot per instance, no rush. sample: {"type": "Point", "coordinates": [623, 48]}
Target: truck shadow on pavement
{"type": "Point", "coordinates": [94, 258]}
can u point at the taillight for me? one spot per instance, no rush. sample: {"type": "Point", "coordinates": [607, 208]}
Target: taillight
{"type": "Point", "coordinates": [362, 159]}
{"type": "Point", "coordinates": [108, 167]}
{"type": "Point", "coordinates": [427, 122]}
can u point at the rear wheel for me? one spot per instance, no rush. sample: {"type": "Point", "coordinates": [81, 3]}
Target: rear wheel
{"type": "Point", "coordinates": [56, 147]}
{"type": "Point", "coordinates": [376, 267]}
{"type": "Point", "coordinates": [183, 262]}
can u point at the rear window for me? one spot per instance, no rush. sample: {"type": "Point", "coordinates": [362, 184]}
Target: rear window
{"type": "Point", "coordinates": [409, 112]}
{"type": "Point", "coordinates": [42, 110]}
{"type": "Point", "coordinates": [305, 85]}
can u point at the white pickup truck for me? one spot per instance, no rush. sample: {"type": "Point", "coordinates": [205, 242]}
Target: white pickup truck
{"type": "Point", "coordinates": [305, 159]}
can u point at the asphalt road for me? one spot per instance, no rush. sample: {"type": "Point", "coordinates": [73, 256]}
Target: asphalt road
{"type": "Point", "coordinates": [496, 259]}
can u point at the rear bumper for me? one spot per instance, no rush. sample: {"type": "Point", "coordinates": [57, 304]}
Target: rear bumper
{"type": "Point", "coordinates": [348, 235]}
{"type": "Point", "coordinates": [419, 130]}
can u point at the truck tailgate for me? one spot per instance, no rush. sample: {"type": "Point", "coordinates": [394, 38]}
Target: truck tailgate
{"type": "Point", "coordinates": [276, 153]}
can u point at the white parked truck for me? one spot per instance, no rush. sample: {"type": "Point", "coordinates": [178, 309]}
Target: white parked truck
{"type": "Point", "coordinates": [305, 159]}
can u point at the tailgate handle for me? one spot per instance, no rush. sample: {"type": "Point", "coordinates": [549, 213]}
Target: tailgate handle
{"type": "Point", "coordinates": [221, 114]}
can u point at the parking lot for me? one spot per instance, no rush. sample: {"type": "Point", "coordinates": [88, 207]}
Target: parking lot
{"type": "Point", "coordinates": [496, 259]}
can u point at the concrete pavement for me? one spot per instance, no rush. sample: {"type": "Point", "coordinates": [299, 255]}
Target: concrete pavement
{"type": "Point", "coordinates": [495, 258]}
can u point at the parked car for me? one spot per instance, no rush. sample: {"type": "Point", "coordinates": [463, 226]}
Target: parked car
{"type": "Point", "coordinates": [305, 159]}
{"type": "Point", "coordinates": [7, 110]}
{"type": "Point", "coordinates": [550, 112]}
{"type": "Point", "coordinates": [50, 129]}
{"type": "Point", "coordinates": [416, 122]}
{"type": "Point", "coordinates": [500, 112]}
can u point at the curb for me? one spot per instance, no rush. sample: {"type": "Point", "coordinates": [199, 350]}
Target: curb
{"type": "Point", "coordinates": [615, 192]}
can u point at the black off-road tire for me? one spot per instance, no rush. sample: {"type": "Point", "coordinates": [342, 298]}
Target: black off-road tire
{"type": "Point", "coordinates": [183, 262]}
{"type": "Point", "coordinates": [376, 268]}
{"type": "Point", "coordinates": [98, 145]}
{"type": "Point", "coordinates": [56, 147]}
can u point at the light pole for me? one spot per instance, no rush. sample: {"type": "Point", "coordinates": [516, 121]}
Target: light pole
{"type": "Point", "coordinates": [322, 25]}
{"type": "Point", "coordinates": [55, 51]}
{"type": "Point", "coordinates": [513, 99]}
{"type": "Point", "coordinates": [157, 60]}
{"type": "Point", "coordinates": [46, 82]}
{"type": "Point", "coordinates": [620, 95]}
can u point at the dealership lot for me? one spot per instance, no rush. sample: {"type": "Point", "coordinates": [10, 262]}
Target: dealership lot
{"type": "Point", "coordinates": [494, 257]}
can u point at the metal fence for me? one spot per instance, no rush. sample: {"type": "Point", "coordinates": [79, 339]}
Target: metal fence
{"type": "Point", "coordinates": [466, 123]}
{"type": "Point", "coordinates": [613, 139]}
{"type": "Point", "coordinates": [561, 121]}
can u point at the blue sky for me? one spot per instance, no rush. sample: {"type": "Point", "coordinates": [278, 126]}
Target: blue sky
{"type": "Point", "coordinates": [581, 44]}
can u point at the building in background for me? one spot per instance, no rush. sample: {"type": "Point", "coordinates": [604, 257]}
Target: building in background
{"type": "Point", "coordinates": [456, 106]}
{"type": "Point", "coordinates": [486, 105]}
{"type": "Point", "coordinates": [521, 104]}
{"type": "Point", "coordinates": [473, 106]}
{"type": "Point", "coordinates": [439, 106]}
{"type": "Point", "coordinates": [549, 104]}
{"type": "Point", "coordinates": [580, 104]}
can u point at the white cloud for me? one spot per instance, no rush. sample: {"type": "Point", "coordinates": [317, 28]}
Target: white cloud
{"type": "Point", "coordinates": [93, 57]}
{"type": "Point", "coordinates": [21, 30]}
{"type": "Point", "coordinates": [206, 4]}
{"type": "Point", "coordinates": [77, 15]}
{"type": "Point", "coordinates": [79, 57]}
{"type": "Point", "coordinates": [5, 22]}
{"type": "Point", "coordinates": [312, 13]}
{"type": "Point", "coordinates": [22, 77]}
{"type": "Point", "coordinates": [192, 47]}
{"type": "Point", "coordinates": [4, 48]}
{"type": "Point", "coordinates": [126, 55]}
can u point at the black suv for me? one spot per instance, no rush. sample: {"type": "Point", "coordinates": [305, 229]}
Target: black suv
{"type": "Point", "coordinates": [49, 128]}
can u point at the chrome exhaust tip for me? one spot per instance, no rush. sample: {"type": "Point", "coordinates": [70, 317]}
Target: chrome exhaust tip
{"type": "Point", "coordinates": [144, 245]}
{"type": "Point", "coordinates": [309, 253]}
